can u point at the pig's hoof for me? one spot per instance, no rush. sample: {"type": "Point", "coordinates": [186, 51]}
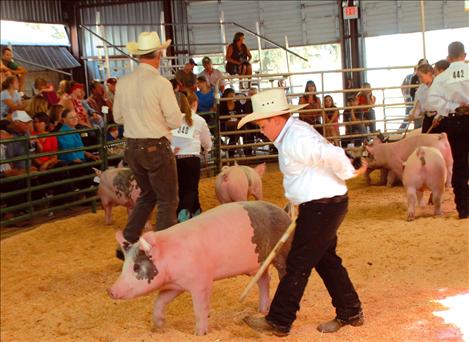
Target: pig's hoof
{"type": "Point", "coordinates": [158, 325]}
{"type": "Point", "coordinates": [410, 218]}
{"type": "Point", "coordinates": [201, 332]}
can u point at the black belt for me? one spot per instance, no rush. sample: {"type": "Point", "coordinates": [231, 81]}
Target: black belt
{"type": "Point", "coordinates": [460, 111]}
{"type": "Point", "coordinates": [331, 200]}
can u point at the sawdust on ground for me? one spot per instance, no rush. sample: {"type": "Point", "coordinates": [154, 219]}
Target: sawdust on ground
{"type": "Point", "coordinates": [54, 278]}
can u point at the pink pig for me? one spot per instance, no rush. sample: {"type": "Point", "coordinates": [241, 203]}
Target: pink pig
{"type": "Point", "coordinates": [424, 169]}
{"type": "Point", "coordinates": [226, 241]}
{"type": "Point", "coordinates": [117, 186]}
{"type": "Point", "coordinates": [392, 155]}
{"type": "Point", "coordinates": [236, 183]}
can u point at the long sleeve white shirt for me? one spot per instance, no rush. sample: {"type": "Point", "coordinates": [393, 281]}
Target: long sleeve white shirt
{"type": "Point", "coordinates": [190, 139]}
{"type": "Point", "coordinates": [421, 99]}
{"type": "Point", "coordinates": [450, 89]}
{"type": "Point", "coordinates": [312, 167]}
{"type": "Point", "coordinates": [145, 103]}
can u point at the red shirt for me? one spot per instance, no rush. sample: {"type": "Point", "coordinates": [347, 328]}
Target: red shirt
{"type": "Point", "coordinates": [49, 144]}
{"type": "Point", "coordinates": [80, 110]}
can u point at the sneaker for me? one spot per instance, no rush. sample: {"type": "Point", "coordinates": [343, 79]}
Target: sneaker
{"type": "Point", "coordinates": [261, 325]}
{"type": "Point", "coordinates": [184, 215]}
{"type": "Point", "coordinates": [335, 324]}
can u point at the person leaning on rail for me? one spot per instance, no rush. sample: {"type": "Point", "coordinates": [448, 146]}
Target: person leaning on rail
{"type": "Point", "coordinates": [449, 96]}
{"type": "Point", "coordinates": [314, 179]}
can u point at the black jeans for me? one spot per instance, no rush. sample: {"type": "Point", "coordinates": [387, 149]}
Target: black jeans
{"type": "Point", "coordinates": [188, 181]}
{"type": "Point", "coordinates": [154, 166]}
{"type": "Point", "coordinates": [457, 128]}
{"type": "Point", "coordinates": [314, 245]}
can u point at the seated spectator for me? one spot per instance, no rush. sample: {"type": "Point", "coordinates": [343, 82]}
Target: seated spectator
{"type": "Point", "coordinates": [72, 141]}
{"type": "Point", "coordinates": [55, 117]}
{"type": "Point", "coordinates": [47, 90]}
{"type": "Point", "coordinates": [64, 86]}
{"type": "Point", "coordinates": [111, 89]}
{"type": "Point", "coordinates": [77, 94]}
{"type": "Point", "coordinates": [332, 117]}
{"type": "Point", "coordinates": [440, 66]}
{"type": "Point", "coordinates": [188, 141]}
{"type": "Point", "coordinates": [10, 98]}
{"type": "Point", "coordinates": [186, 76]}
{"type": "Point", "coordinates": [365, 97]}
{"type": "Point", "coordinates": [229, 107]}
{"type": "Point", "coordinates": [238, 57]}
{"type": "Point", "coordinates": [313, 101]}
{"type": "Point", "coordinates": [38, 104]}
{"type": "Point", "coordinates": [98, 99]}
{"type": "Point", "coordinates": [13, 68]}
{"type": "Point", "coordinates": [212, 75]}
{"type": "Point", "coordinates": [205, 96]}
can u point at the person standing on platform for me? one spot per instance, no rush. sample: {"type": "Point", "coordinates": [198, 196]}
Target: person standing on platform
{"type": "Point", "coordinates": [147, 107]}
{"type": "Point", "coordinates": [449, 96]}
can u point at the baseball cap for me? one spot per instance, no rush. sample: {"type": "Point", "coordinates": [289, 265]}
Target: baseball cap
{"type": "Point", "coordinates": [191, 61]}
{"type": "Point", "coordinates": [206, 60]}
{"type": "Point", "coordinates": [21, 115]}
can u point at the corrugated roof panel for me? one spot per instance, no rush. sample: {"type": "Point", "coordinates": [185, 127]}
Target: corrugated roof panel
{"type": "Point", "coordinates": [210, 33]}
{"type": "Point", "coordinates": [57, 57]}
{"type": "Point", "coordinates": [38, 11]}
{"type": "Point", "coordinates": [282, 18]}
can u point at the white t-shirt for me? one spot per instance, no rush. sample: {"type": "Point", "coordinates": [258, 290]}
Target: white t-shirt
{"type": "Point", "coordinates": [422, 106]}
{"type": "Point", "coordinates": [450, 89]}
{"type": "Point", "coordinates": [312, 167]}
{"type": "Point", "coordinates": [190, 139]}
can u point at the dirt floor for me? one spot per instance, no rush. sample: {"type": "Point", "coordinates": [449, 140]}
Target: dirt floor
{"type": "Point", "coordinates": [54, 278]}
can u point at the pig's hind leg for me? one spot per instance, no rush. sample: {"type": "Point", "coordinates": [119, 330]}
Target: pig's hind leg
{"type": "Point", "coordinates": [411, 202]}
{"type": "Point", "coordinates": [164, 297]}
{"type": "Point", "coordinates": [107, 213]}
{"type": "Point", "coordinates": [437, 196]}
{"type": "Point", "coordinates": [264, 299]}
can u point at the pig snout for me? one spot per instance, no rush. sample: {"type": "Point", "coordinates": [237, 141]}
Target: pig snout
{"type": "Point", "coordinates": [113, 293]}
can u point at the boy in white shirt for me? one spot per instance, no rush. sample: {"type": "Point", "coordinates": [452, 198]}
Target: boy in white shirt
{"type": "Point", "coordinates": [314, 179]}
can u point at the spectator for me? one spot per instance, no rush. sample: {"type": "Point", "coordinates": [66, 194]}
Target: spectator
{"type": "Point", "coordinates": [187, 142]}
{"type": "Point", "coordinates": [409, 93]}
{"type": "Point", "coordinates": [246, 108]}
{"type": "Point", "coordinates": [238, 57]}
{"type": "Point", "coordinates": [229, 107]}
{"type": "Point", "coordinates": [180, 97]}
{"type": "Point", "coordinates": [77, 94]}
{"type": "Point", "coordinates": [72, 141]}
{"type": "Point", "coordinates": [186, 76]}
{"type": "Point", "coordinates": [98, 99]}
{"type": "Point", "coordinates": [332, 117]}
{"type": "Point", "coordinates": [13, 68]}
{"type": "Point", "coordinates": [205, 96]}
{"type": "Point", "coordinates": [212, 75]}
{"type": "Point", "coordinates": [64, 86]}
{"type": "Point", "coordinates": [111, 88]}
{"type": "Point", "coordinates": [55, 117]}
{"type": "Point", "coordinates": [313, 101]}
{"type": "Point", "coordinates": [440, 66]}
{"type": "Point", "coordinates": [366, 97]}
{"type": "Point", "coordinates": [47, 90]}
{"type": "Point", "coordinates": [38, 104]}
{"type": "Point", "coordinates": [353, 115]}
{"type": "Point", "coordinates": [10, 98]}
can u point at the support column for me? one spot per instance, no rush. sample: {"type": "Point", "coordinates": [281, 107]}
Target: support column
{"type": "Point", "coordinates": [168, 19]}
{"type": "Point", "coordinates": [72, 21]}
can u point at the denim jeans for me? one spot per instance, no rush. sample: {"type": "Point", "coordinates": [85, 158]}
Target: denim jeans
{"type": "Point", "coordinates": [154, 166]}
{"type": "Point", "coordinates": [314, 246]}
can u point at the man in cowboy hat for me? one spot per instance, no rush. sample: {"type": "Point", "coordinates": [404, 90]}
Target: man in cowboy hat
{"type": "Point", "coordinates": [314, 179]}
{"type": "Point", "coordinates": [145, 103]}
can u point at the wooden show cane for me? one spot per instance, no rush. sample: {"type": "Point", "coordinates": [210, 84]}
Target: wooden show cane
{"type": "Point", "coordinates": [273, 253]}
{"type": "Point", "coordinates": [413, 110]}
{"type": "Point", "coordinates": [434, 124]}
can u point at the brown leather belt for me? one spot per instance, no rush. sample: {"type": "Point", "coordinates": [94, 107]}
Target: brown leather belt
{"type": "Point", "coordinates": [460, 111]}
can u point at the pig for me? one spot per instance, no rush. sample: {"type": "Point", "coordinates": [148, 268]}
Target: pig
{"type": "Point", "coordinates": [236, 183]}
{"type": "Point", "coordinates": [360, 151]}
{"type": "Point", "coordinates": [393, 155]}
{"type": "Point", "coordinates": [424, 169]}
{"type": "Point", "coordinates": [117, 186]}
{"type": "Point", "coordinates": [229, 240]}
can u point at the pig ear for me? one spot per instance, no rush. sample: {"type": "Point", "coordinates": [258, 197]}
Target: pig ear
{"type": "Point", "coordinates": [121, 164]}
{"type": "Point", "coordinates": [260, 169]}
{"type": "Point", "coordinates": [144, 245]}
{"type": "Point", "coordinates": [98, 172]}
{"type": "Point", "coordinates": [120, 238]}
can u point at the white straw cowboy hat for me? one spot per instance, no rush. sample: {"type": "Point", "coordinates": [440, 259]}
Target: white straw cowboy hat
{"type": "Point", "coordinates": [147, 42]}
{"type": "Point", "coordinates": [267, 104]}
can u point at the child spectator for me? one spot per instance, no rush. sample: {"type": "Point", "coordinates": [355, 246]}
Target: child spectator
{"type": "Point", "coordinates": [365, 97]}
{"type": "Point", "coordinates": [205, 96]}
{"type": "Point", "coordinates": [313, 101]}
{"type": "Point", "coordinates": [10, 98]}
{"type": "Point", "coordinates": [55, 117]}
{"type": "Point", "coordinates": [332, 117]}
{"type": "Point", "coordinates": [38, 104]}
{"type": "Point", "coordinates": [47, 90]}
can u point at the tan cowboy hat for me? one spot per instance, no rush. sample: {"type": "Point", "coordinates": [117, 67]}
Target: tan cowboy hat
{"type": "Point", "coordinates": [147, 42]}
{"type": "Point", "coordinates": [267, 104]}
